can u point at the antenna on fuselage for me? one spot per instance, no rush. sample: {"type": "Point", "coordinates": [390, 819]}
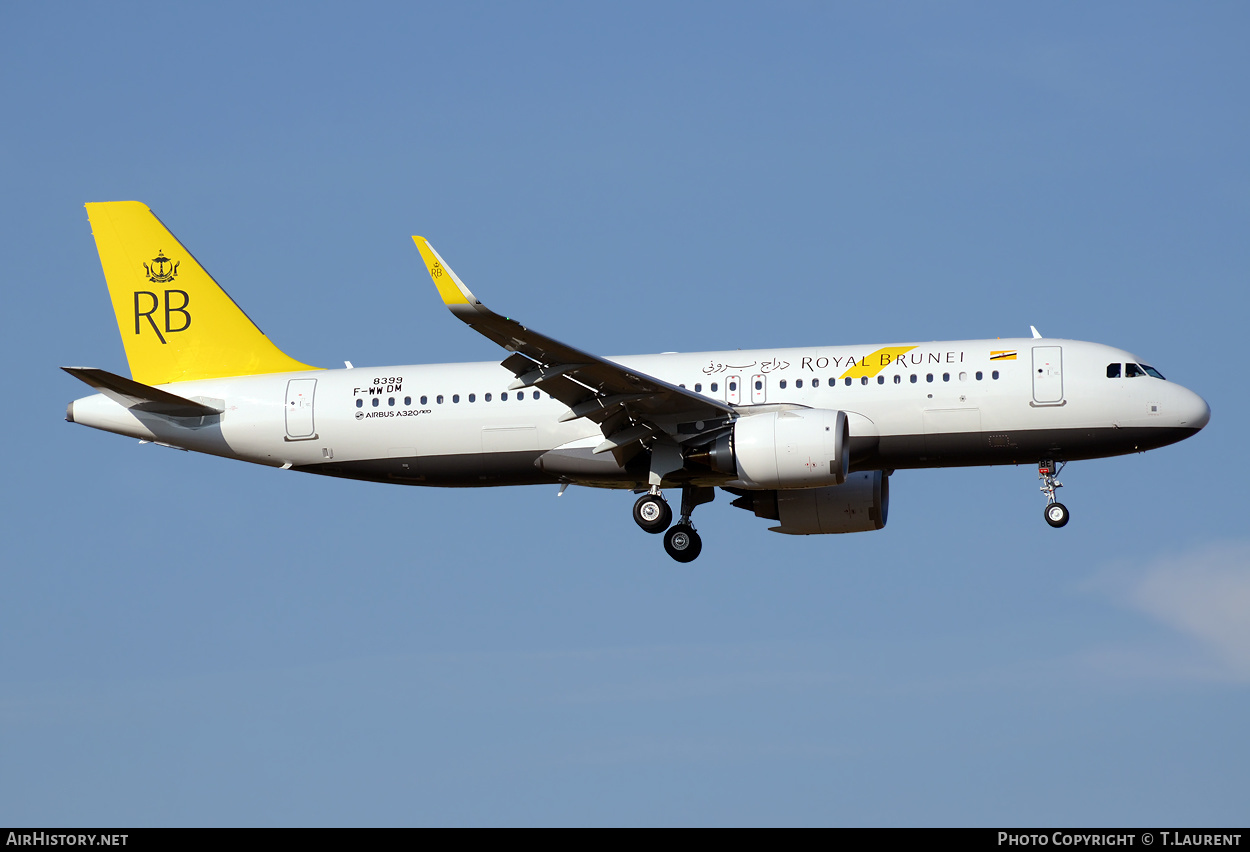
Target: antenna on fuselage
{"type": "Point", "coordinates": [1036, 334]}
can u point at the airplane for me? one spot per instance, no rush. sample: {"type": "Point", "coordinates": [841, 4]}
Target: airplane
{"type": "Point", "coordinates": [806, 437]}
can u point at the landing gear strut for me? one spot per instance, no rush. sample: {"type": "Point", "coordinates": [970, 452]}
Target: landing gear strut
{"type": "Point", "coordinates": [652, 513]}
{"type": "Point", "coordinates": [1056, 513]}
{"type": "Point", "coordinates": [681, 541]}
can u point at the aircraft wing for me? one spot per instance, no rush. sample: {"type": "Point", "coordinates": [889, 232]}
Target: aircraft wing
{"type": "Point", "coordinates": [628, 405]}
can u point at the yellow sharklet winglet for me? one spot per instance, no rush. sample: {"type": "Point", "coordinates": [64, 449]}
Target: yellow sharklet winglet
{"type": "Point", "coordinates": [176, 322]}
{"type": "Point", "coordinates": [449, 285]}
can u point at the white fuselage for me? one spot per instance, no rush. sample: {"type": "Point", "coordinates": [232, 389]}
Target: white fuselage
{"type": "Point", "coordinates": [912, 405]}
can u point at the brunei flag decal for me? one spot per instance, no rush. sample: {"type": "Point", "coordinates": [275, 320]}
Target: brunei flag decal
{"type": "Point", "coordinates": [1002, 354]}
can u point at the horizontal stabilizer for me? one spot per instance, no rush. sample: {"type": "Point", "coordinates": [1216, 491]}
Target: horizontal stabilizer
{"type": "Point", "coordinates": [140, 397]}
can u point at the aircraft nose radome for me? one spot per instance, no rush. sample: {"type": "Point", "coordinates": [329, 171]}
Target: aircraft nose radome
{"type": "Point", "coordinates": [1196, 412]}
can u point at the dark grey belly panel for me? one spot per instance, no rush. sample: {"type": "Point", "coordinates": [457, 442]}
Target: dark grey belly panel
{"type": "Point", "coordinates": [451, 471]}
{"type": "Point", "coordinates": [962, 449]}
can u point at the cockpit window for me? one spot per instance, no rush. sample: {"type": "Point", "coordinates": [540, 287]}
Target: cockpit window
{"type": "Point", "coordinates": [1152, 371]}
{"type": "Point", "coordinates": [1113, 371]}
{"type": "Point", "coordinates": [1132, 371]}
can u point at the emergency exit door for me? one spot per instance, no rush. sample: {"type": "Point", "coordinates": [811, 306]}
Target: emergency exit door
{"type": "Point", "coordinates": [759, 389]}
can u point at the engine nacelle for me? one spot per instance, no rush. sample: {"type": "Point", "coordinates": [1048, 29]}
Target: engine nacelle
{"type": "Point", "coordinates": [798, 448]}
{"type": "Point", "coordinates": [860, 504]}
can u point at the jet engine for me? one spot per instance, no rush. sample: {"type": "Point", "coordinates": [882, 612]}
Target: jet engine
{"type": "Point", "coordinates": [796, 448]}
{"type": "Point", "coordinates": [859, 504]}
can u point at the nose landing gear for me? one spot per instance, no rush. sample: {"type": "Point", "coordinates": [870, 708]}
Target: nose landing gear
{"type": "Point", "coordinates": [1056, 513]}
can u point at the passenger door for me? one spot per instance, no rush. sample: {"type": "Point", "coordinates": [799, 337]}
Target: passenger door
{"type": "Point", "coordinates": [299, 409]}
{"type": "Point", "coordinates": [1047, 374]}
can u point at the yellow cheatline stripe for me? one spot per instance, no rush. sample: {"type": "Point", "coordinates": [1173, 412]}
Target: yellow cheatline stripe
{"type": "Point", "coordinates": [872, 364]}
{"type": "Point", "coordinates": [1002, 355]}
{"type": "Point", "coordinates": [449, 286]}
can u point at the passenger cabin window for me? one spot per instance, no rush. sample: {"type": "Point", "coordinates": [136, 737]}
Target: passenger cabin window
{"type": "Point", "coordinates": [439, 399]}
{"type": "Point", "coordinates": [455, 397]}
{"type": "Point", "coordinates": [486, 398]}
{"type": "Point", "coordinates": [782, 384]}
{"type": "Point", "coordinates": [898, 378]}
{"type": "Point", "coordinates": [1113, 371]}
{"type": "Point", "coordinates": [715, 385]}
{"type": "Point", "coordinates": [815, 383]}
{"type": "Point", "coordinates": [698, 387]}
{"type": "Point", "coordinates": [424, 400]}
{"type": "Point", "coordinates": [847, 381]}
{"type": "Point", "coordinates": [880, 380]}
{"type": "Point", "coordinates": [863, 380]}
{"type": "Point", "coordinates": [994, 375]}
{"type": "Point", "coordinates": [979, 375]}
{"type": "Point", "coordinates": [360, 403]}
{"type": "Point", "coordinates": [375, 402]}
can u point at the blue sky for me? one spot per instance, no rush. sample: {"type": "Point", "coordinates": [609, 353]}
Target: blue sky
{"type": "Point", "coordinates": [190, 641]}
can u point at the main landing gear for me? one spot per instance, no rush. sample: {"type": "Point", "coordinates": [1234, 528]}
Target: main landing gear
{"type": "Point", "coordinates": [1056, 513]}
{"type": "Point", "coordinates": [653, 515]}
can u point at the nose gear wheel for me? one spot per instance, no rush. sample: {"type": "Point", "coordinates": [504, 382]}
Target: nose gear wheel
{"type": "Point", "coordinates": [1056, 514]}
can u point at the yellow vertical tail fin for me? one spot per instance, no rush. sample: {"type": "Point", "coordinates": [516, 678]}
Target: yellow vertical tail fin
{"type": "Point", "coordinates": [176, 322]}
